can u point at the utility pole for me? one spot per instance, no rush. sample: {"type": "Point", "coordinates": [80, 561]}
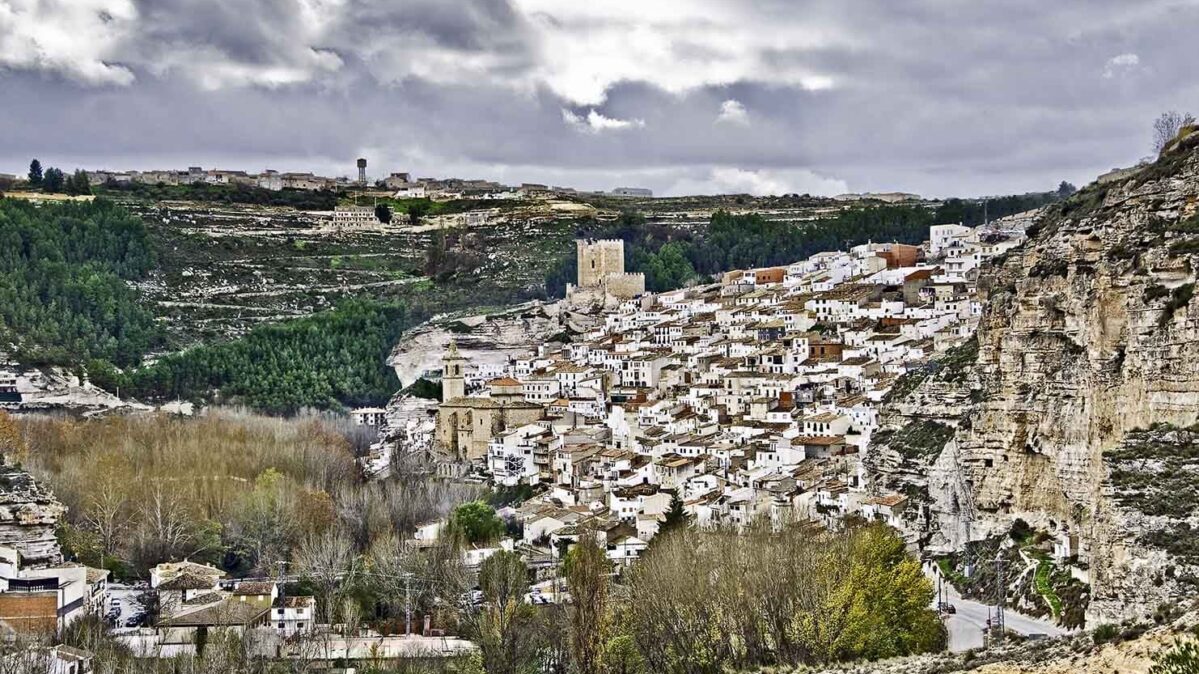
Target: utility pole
{"type": "Point", "coordinates": [940, 595]}
{"type": "Point", "coordinates": [1000, 596]}
{"type": "Point", "coordinates": [282, 580]}
{"type": "Point", "coordinates": [408, 604]}
{"type": "Point", "coordinates": [282, 591]}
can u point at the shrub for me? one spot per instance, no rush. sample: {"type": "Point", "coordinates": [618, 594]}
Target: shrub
{"type": "Point", "coordinates": [1154, 292]}
{"type": "Point", "coordinates": [1185, 247]}
{"type": "Point", "coordinates": [1178, 299]}
{"type": "Point", "coordinates": [1104, 633]}
{"type": "Point", "coordinates": [1122, 251]}
{"type": "Point", "coordinates": [1047, 268]}
{"type": "Point", "coordinates": [1020, 531]}
{"type": "Point", "coordinates": [1182, 659]}
{"type": "Point", "coordinates": [921, 438]}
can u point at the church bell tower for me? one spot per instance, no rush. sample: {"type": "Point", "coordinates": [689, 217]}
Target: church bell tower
{"type": "Point", "coordinates": [453, 369]}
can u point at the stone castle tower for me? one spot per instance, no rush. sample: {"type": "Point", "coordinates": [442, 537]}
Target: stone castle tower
{"type": "Point", "coordinates": [453, 373]}
{"type": "Point", "coordinates": [602, 278]}
{"type": "Point", "coordinates": [599, 259]}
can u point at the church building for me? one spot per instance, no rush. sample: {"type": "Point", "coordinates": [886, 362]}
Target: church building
{"type": "Point", "coordinates": [465, 424]}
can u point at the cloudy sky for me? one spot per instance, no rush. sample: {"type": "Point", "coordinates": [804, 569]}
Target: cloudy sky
{"type": "Point", "coordinates": [682, 96]}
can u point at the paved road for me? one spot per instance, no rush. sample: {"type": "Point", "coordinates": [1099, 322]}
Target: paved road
{"type": "Point", "coordinates": [966, 626]}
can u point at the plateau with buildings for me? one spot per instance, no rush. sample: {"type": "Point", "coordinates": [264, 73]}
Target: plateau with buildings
{"type": "Point", "coordinates": [401, 184]}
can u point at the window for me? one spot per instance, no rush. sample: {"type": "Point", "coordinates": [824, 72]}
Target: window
{"type": "Point", "coordinates": [280, 625]}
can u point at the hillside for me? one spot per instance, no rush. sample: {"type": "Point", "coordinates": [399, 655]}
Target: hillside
{"type": "Point", "coordinates": [215, 294]}
{"type": "Point", "coordinates": [226, 268]}
{"type": "Point", "coordinates": [1071, 416]}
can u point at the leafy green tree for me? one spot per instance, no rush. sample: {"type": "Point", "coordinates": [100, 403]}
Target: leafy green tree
{"type": "Point", "coordinates": [504, 627]}
{"type": "Point", "coordinates": [307, 200]}
{"type": "Point", "coordinates": [587, 579]}
{"type": "Point", "coordinates": [383, 213]}
{"type": "Point", "coordinates": [435, 254]}
{"type": "Point", "coordinates": [423, 388]}
{"type": "Point", "coordinates": [622, 657]}
{"type": "Point", "coordinates": [504, 577]}
{"type": "Point", "coordinates": [35, 173]}
{"type": "Point", "coordinates": [262, 528]}
{"type": "Point", "coordinates": [666, 269]}
{"type": "Point", "coordinates": [676, 517]}
{"type": "Point", "coordinates": [884, 588]}
{"type": "Point", "coordinates": [1065, 189]}
{"type": "Point", "coordinates": [1182, 659]}
{"type": "Point", "coordinates": [714, 601]}
{"type": "Point", "coordinates": [476, 522]}
{"type": "Point", "coordinates": [417, 209]}
{"type": "Point", "coordinates": [53, 180]}
{"type": "Point", "coordinates": [78, 183]}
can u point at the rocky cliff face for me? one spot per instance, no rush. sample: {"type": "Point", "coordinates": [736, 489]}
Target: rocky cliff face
{"type": "Point", "coordinates": [489, 339]}
{"type": "Point", "coordinates": [924, 411]}
{"type": "Point", "coordinates": [1089, 334]}
{"type": "Point", "coordinates": [29, 515]}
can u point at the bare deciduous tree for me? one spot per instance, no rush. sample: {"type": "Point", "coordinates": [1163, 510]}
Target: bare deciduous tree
{"type": "Point", "coordinates": [1167, 126]}
{"type": "Point", "coordinates": [329, 561]}
{"type": "Point", "coordinates": [388, 559]}
{"type": "Point", "coordinates": [108, 516]}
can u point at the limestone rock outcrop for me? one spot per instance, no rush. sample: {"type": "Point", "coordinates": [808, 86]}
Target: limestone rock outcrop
{"type": "Point", "coordinates": [483, 339]}
{"type": "Point", "coordinates": [29, 516]}
{"type": "Point", "coordinates": [1089, 333]}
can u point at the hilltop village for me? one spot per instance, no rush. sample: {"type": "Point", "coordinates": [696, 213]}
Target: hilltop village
{"type": "Point", "coordinates": [750, 398]}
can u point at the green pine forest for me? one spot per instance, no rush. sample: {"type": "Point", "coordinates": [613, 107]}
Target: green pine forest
{"type": "Point", "coordinates": [64, 292]}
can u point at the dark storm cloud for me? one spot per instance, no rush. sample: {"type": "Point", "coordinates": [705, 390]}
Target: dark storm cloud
{"type": "Point", "coordinates": [707, 95]}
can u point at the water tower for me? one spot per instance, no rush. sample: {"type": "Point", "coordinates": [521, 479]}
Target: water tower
{"type": "Point", "coordinates": [361, 171]}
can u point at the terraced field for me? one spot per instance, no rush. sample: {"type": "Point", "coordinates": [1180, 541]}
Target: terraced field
{"type": "Point", "coordinates": [223, 269]}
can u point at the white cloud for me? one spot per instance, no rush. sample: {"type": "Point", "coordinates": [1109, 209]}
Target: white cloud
{"type": "Point", "coordinates": [733, 112]}
{"type": "Point", "coordinates": [1120, 64]}
{"type": "Point", "coordinates": [676, 45]}
{"type": "Point", "coordinates": [595, 122]}
{"type": "Point", "coordinates": [213, 70]}
{"type": "Point", "coordinates": [730, 180]}
{"type": "Point", "coordinates": [76, 39]}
